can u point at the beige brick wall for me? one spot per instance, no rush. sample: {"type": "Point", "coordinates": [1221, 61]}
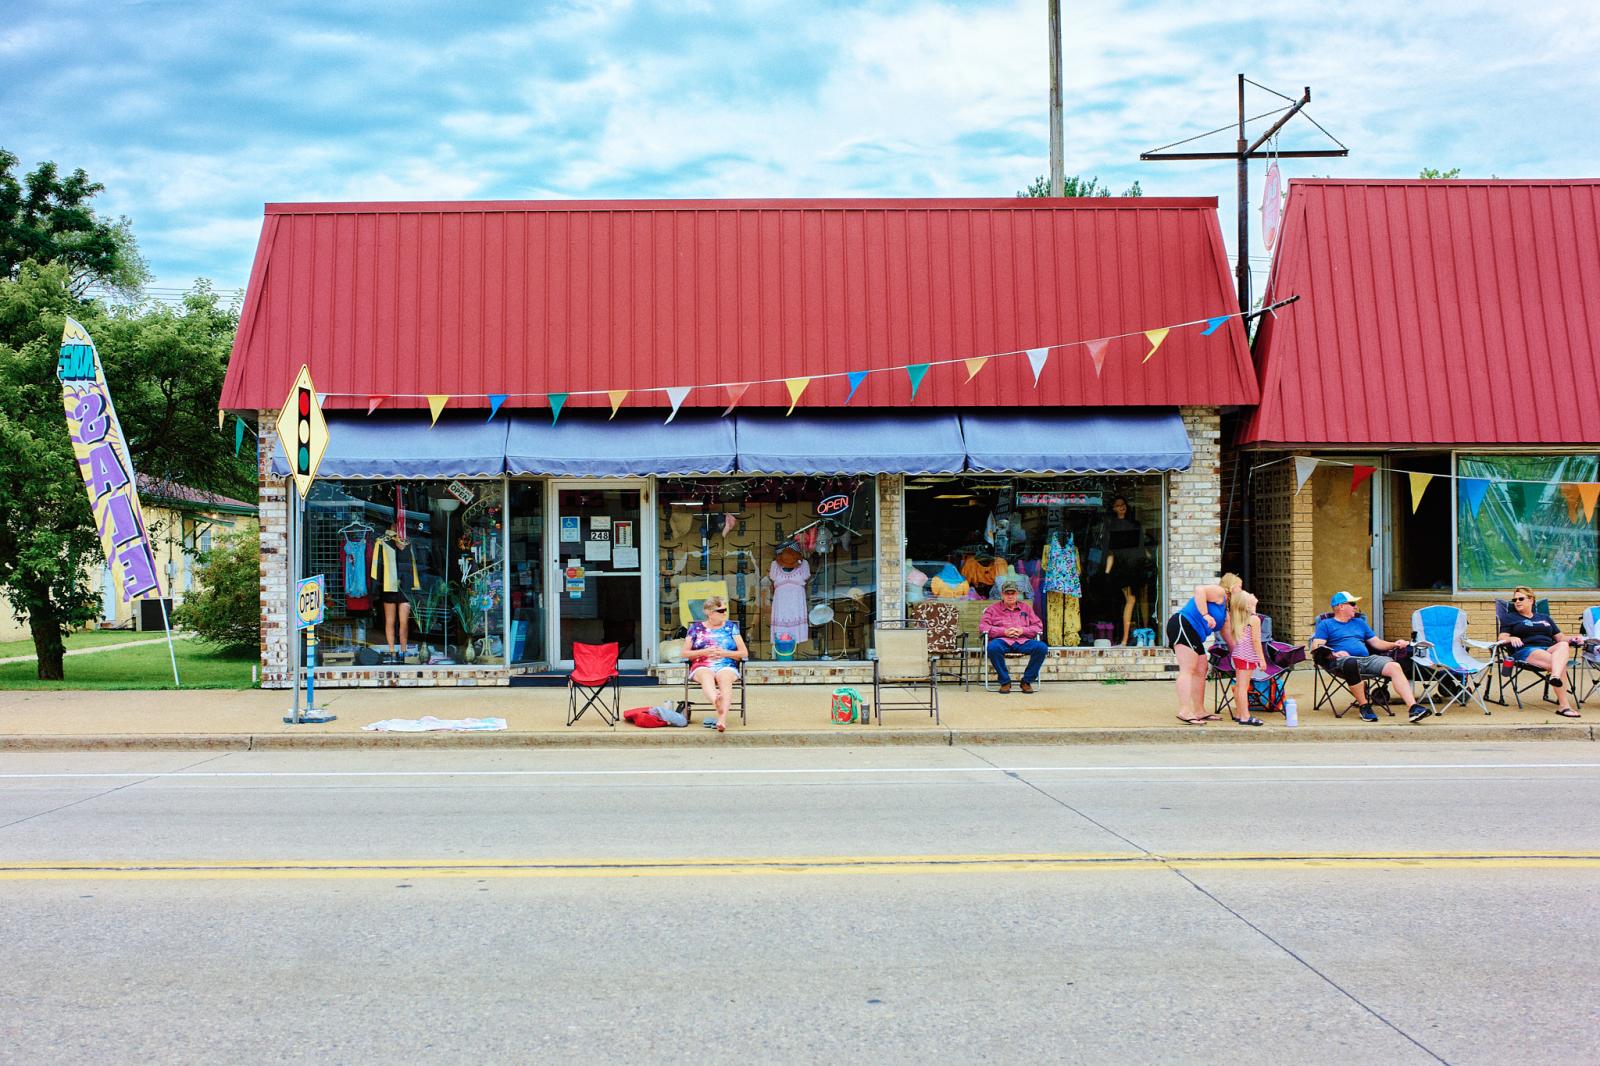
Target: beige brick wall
{"type": "Point", "coordinates": [1566, 608]}
{"type": "Point", "coordinates": [1194, 509]}
{"type": "Point", "coordinates": [891, 545]}
{"type": "Point", "coordinates": [1281, 532]}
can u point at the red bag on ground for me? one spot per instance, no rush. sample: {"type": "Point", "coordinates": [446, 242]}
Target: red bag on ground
{"type": "Point", "coordinates": [643, 717]}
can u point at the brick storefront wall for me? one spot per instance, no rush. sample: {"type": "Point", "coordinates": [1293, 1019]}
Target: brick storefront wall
{"type": "Point", "coordinates": [1280, 528]}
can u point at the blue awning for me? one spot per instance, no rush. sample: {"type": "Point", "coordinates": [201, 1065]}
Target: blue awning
{"type": "Point", "coordinates": [1125, 440]}
{"type": "Point", "coordinates": [630, 445]}
{"type": "Point", "coordinates": [850, 442]}
{"type": "Point", "coordinates": [404, 446]}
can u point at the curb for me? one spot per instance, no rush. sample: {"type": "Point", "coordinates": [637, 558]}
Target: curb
{"type": "Point", "coordinates": [780, 739]}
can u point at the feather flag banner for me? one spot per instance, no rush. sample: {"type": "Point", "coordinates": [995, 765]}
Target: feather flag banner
{"type": "Point", "coordinates": [436, 402]}
{"type": "Point", "coordinates": [1036, 359]}
{"type": "Point", "coordinates": [616, 396]}
{"type": "Point", "coordinates": [916, 372]}
{"type": "Point", "coordinates": [495, 400]}
{"type": "Point", "coordinates": [1419, 485]}
{"type": "Point", "coordinates": [796, 387]}
{"type": "Point", "coordinates": [558, 400]}
{"type": "Point", "coordinates": [676, 395]}
{"type": "Point", "coordinates": [1097, 352]}
{"type": "Point", "coordinates": [735, 394]}
{"type": "Point", "coordinates": [856, 378]}
{"type": "Point", "coordinates": [1155, 336]}
{"type": "Point", "coordinates": [974, 365]}
{"type": "Point", "coordinates": [1303, 466]}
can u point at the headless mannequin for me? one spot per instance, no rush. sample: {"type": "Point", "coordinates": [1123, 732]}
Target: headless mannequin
{"type": "Point", "coordinates": [396, 615]}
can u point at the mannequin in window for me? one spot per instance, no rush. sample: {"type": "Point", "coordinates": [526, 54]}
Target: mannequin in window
{"type": "Point", "coordinates": [1063, 588]}
{"type": "Point", "coordinates": [392, 562]}
{"type": "Point", "coordinates": [790, 574]}
{"type": "Point", "coordinates": [1127, 562]}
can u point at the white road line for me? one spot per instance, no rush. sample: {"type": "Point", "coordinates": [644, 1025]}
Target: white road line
{"type": "Point", "coordinates": [789, 771]}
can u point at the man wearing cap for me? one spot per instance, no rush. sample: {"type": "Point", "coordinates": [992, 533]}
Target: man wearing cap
{"type": "Point", "coordinates": [1012, 628]}
{"type": "Point", "coordinates": [1351, 655]}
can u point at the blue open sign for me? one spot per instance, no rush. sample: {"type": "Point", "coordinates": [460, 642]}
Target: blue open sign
{"type": "Point", "coordinates": [833, 505]}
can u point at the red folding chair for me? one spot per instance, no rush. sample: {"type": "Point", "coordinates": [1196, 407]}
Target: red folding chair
{"type": "Point", "coordinates": [594, 671]}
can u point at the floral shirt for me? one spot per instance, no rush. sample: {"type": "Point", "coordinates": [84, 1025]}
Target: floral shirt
{"type": "Point", "coordinates": [724, 636]}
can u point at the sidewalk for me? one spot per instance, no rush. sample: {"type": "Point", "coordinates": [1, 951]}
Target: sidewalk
{"type": "Point", "coordinates": [780, 715]}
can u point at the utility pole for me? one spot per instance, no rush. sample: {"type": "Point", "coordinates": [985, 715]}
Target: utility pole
{"type": "Point", "coordinates": [1058, 172]}
{"type": "Point", "coordinates": [1244, 151]}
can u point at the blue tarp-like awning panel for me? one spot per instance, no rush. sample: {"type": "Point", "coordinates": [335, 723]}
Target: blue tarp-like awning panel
{"type": "Point", "coordinates": [1125, 440]}
{"type": "Point", "coordinates": [583, 445]}
{"type": "Point", "coordinates": [850, 442]}
{"type": "Point", "coordinates": [404, 446]}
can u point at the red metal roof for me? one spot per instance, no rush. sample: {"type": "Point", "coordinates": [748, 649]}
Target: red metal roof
{"type": "Point", "coordinates": [537, 297]}
{"type": "Point", "coordinates": [1434, 312]}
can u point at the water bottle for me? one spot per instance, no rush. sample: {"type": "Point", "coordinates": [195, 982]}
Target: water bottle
{"type": "Point", "coordinates": [1291, 713]}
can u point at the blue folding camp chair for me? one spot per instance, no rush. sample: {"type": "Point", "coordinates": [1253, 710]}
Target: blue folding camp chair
{"type": "Point", "coordinates": [1585, 673]}
{"type": "Point", "coordinates": [1327, 686]}
{"type": "Point", "coordinates": [1446, 670]}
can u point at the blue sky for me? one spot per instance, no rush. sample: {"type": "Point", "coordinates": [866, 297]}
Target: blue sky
{"type": "Point", "coordinates": [194, 115]}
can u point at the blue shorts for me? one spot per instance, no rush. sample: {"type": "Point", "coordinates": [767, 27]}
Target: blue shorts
{"type": "Point", "coordinates": [1521, 654]}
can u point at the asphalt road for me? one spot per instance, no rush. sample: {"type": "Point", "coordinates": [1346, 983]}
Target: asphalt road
{"type": "Point", "coordinates": [1385, 903]}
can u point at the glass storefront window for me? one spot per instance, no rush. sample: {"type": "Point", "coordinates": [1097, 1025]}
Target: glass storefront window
{"type": "Point", "coordinates": [436, 544]}
{"type": "Point", "coordinates": [1524, 532]}
{"type": "Point", "coordinates": [1086, 548]}
{"type": "Point", "coordinates": [796, 557]}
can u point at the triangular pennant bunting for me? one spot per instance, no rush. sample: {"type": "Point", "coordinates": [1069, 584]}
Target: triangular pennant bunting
{"type": "Point", "coordinates": [1473, 489]}
{"type": "Point", "coordinates": [222, 417]}
{"type": "Point", "coordinates": [1303, 466]}
{"type": "Point", "coordinates": [436, 404]}
{"type": "Point", "coordinates": [495, 400]}
{"type": "Point", "coordinates": [1358, 475]}
{"type": "Point", "coordinates": [1036, 359]}
{"type": "Point", "coordinates": [1212, 324]}
{"type": "Point", "coordinates": [616, 396]}
{"type": "Point", "coordinates": [1419, 485]}
{"type": "Point", "coordinates": [373, 402]}
{"type": "Point", "coordinates": [1155, 336]}
{"type": "Point", "coordinates": [916, 372]}
{"type": "Point", "coordinates": [238, 437]}
{"type": "Point", "coordinates": [558, 400]}
{"type": "Point", "coordinates": [856, 378]}
{"type": "Point", "coordinates": [974, 365]}
{"type": "Point", "coordinates": [1589, 492]}
{"type": "Point", "coordinates": [735, 394]}
{"type": "Point", "coordinates": [796, 387]}
{"type": "Point", "coordinates": [322, 399]}
{"type": "Point", "coordinates": [1097, 352]}
{"type": "Point", "coordinates": [676, 395]}
{"type": "Point", "coordinates": [1569, 492]}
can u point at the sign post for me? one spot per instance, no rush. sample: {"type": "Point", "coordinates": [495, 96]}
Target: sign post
{"type": "Point", "coordinates": [303, 433]}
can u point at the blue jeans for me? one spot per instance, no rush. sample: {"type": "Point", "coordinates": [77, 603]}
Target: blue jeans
{"type": "Point", "coordinates": [1034, 649]}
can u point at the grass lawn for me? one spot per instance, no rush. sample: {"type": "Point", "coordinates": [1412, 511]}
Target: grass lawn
{"type": "Point", "coordinates": [146, 667]}
{"type": "Point", "coordinates": [88, 638]}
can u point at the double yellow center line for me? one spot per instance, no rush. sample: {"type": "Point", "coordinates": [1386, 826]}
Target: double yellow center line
{"type": "Point", "coordinates": [768, 866]}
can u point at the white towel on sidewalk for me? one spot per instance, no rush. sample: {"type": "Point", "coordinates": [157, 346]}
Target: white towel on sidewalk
{"type": "Point", "coordinates": [429, 723]}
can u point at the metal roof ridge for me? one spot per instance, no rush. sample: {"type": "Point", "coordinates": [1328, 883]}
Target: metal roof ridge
{"type": "Point", "coordinates": [1014, 203]}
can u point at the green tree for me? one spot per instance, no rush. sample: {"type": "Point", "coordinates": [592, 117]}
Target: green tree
{"type": "Point", "coordinates": [1073, 185]}
{"type": "Point", "coordinates": [1430, 172]}
{"type": "Point", "coordinates": [48, 219]}
{"type": "Point", "coordinates": [225, 609]}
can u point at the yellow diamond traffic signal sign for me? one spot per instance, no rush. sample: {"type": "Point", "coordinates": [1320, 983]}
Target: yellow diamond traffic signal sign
{"type": "Point", "coordinates": [303, 431]}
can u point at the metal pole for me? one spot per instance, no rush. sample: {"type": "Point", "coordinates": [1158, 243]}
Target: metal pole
{"type": "Point", "coordinates": [167, 623]}
{"type": "Point", "coordinates": [1242, 270]}
{"type": "Point", "coordinates": [1058, 181]}
{"type": "Point", "coordinates": [291, 615]}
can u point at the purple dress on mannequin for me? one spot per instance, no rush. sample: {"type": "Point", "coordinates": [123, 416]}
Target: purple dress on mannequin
{"type": "Point", "coordinates": [789, 601]}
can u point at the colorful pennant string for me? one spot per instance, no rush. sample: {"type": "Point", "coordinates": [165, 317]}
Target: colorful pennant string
{"type": "Point", "coordinates": [676, 395]}
{"type": "Point", "coordinates": [1569, 492]}
{"type": "Point", "coordinates": [856, 378]}
{"type": "Point", "coordinates": [238, 437]}
{"type": "Point", "coordinates": [1359, 474]}
{"type": "Point", "coordinates": [1419, 485]}
{"type": "Point", "coordinates": [1589, 493]}
{"type": "Point", "coordinates": [916, 372]}
{"type": "Point", "coordinates": [1155, 336]}
{"type": "Point", "coordinates": [495, 400]}
{"type": "Point", "coordinates": [222, 417]}
{"type": "Point", "coordinates": [1473, 489]}
{"type": "Point", "coordinates": [1036, 359]}
{"type": "Point", "coordinates": [735, 394]}
{"type": "Point", "coordinates": [558, 400]}
{"type": "Point", "coordinates": [974, 365]}
{"type": "Point", "coordinates": [436, 402]}
{"type": "Point", "coordinates": [372, 403]}
{"type": "Point", "coordinates": [1213, 323]}
{"type": "Point", "coordinates": [1303, 466]}
{"type": "Point", "coordinates": [1097, 352]}
{"type": "Point", "coordinates": [616, 396]}
{"type": "Point", "coordinates": [796, 387]}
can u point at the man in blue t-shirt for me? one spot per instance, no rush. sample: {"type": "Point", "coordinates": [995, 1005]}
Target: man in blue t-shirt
{"type": "Point", "coordinates": [1351, 655]}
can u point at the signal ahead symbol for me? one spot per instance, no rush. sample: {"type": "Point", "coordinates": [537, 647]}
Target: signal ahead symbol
{"type": "Point", "coordinates": [303, 431]}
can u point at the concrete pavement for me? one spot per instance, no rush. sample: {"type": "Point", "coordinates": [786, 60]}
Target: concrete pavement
{"type": "Point", "coordinates": [1062, 712]}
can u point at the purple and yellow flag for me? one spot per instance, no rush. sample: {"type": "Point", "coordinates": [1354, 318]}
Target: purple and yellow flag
{"type": "Point", "coordinates": [107, 469]}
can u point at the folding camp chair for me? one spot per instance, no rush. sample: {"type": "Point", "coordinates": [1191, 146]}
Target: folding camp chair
{"type": "Point", "coordinates": [1510, 673]}
{"type": "Point", "coordinates": [1445, 668]}
{"type": "Point", "coordinates": [1220, 675]}
{"type": "Point", "coordinates": [1327, 686]}
{"type": "Point", "coordinates": [693, 691]}
{"type": "Point", "coordinates": [1268, 684]}
{"type": "Point", "coordinates": [905, 664]}
{"type": "Point", "coordinates": [1585, 673]}
{"type": "Point", "coordinates": [594, 673]}
{"type": "Point", "coordinates": [946, 642]}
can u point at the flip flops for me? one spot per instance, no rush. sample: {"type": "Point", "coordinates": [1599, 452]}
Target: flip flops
{"type": "Point", "coordinates": [1252, 720]}
{"type": "Point", "coordinates": [1191, 721]}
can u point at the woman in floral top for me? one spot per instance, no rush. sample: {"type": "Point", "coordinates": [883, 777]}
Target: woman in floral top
{"type": "Point", "coordinates": [715, 649]}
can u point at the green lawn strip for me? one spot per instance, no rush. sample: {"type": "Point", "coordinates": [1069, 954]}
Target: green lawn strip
{"type": "Point", "coordinates": [144, 667]}
{"type": "Point", "coordinates": [88, 638]}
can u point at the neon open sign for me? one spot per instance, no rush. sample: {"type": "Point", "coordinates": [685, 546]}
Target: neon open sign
{"type": "Point", "coordinates": [833, 505]}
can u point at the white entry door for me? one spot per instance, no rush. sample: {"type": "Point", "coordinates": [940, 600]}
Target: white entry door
{"type": "Point", "coordinates": [597, 563]}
